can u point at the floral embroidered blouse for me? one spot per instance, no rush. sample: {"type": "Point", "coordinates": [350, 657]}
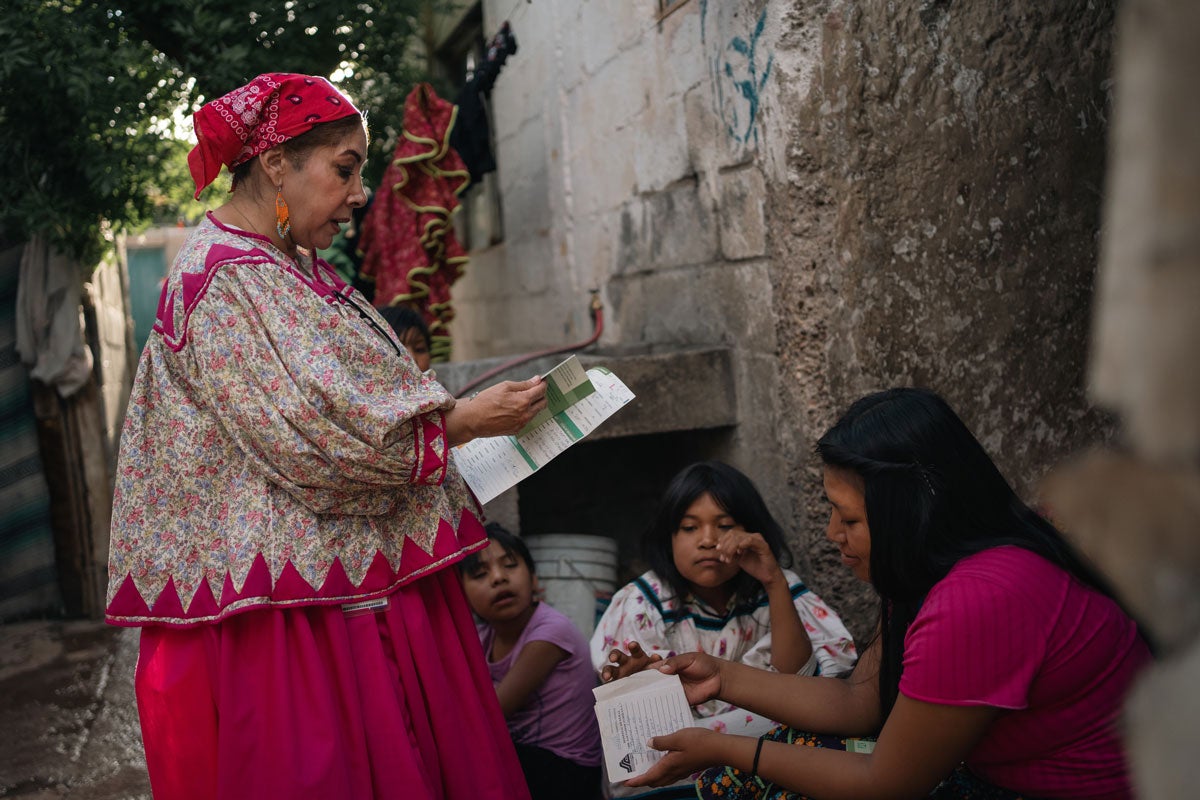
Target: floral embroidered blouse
{"type": "Point", "coordinates": [278, 450]}
{"type": "Point", "coordinates": [648, 611]}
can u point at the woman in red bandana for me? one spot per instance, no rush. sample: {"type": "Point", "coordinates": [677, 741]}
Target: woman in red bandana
{"type": "Point", "coordinates": [286, 508]}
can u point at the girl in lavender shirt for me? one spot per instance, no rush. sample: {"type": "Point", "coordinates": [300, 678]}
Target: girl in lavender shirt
{"type": "Point", "coordinates": [540, 666]}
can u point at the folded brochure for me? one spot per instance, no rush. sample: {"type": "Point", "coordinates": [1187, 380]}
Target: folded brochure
{"type": "Point", "coordinates": [577, 401]}
{"type": "Point", "coordinates": [632, 710]}
{"type": "Point", "coordinates": [566, 385]}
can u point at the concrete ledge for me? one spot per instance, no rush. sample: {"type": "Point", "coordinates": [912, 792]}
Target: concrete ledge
{"type": "Point", "coordinates": [679, 390]}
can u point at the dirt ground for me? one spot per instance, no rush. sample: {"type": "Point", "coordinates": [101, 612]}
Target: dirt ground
{"type": "Point", "coordinates": [68, 719]}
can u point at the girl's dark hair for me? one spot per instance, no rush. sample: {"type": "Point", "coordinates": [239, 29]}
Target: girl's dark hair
{"type": "Point", "coordinates": [404, 318]}
{"type": "Point", "coordinates": [512, 544]}
{"type": "Point", "coordinates": [736, 495]}
{"type": "Point", "coordinates": [297, 150]}
{"type": "Point", "coordinates": [933, 497]}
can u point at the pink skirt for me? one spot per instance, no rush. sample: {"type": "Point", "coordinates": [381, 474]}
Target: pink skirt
{"type": "Point", "coordinates": [318, 702]}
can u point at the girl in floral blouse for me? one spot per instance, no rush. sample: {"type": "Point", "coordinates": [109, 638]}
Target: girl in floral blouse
{"type": "Point", "coordinates": [718, 584]}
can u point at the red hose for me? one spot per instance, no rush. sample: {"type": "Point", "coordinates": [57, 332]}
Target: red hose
{"type": "Point", "coordinates": [597, 313]}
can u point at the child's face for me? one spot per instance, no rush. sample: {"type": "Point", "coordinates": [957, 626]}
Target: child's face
{"type": "Point", "coordinates": [501, 587]}
{"type": "Point", "coordinates": [693, 546]}
{"type": "Point", "coordinates": [417, 348]}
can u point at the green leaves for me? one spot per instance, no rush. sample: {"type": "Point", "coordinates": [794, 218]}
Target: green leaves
{"type": "Point", "coordinates": [92, 94]}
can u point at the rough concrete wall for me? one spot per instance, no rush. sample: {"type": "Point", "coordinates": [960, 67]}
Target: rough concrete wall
{"type": "Point", "coordinates": [849, 195]}
{"type": "Point", "coordinates": [587, 118]}
{"type": "Point", "coordinates": [939, 225]}
{"type": "Point", "coordinates": [630, 163]}
{"type": "Point", "coordinates": [627, 164]}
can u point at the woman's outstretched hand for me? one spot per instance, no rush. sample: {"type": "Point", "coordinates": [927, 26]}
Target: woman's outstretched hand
{"type": "Point", "coordinates": [499, 410]}
{"type": "Point", "coordinates": [700, 674]}
{"type": "Point", "coordinates": [622, 663]}
{"type": "Point", "coordinates": [688, 751]}
{"type": "Point", "coordinates": [751, 552]}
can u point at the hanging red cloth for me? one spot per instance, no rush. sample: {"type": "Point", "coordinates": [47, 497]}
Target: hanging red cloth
{"type": "Point", "coordinates": [408, 242]}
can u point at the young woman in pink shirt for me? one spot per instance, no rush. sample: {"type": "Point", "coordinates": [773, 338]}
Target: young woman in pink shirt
{"type": "Point", "coordinates": [1001, 661]}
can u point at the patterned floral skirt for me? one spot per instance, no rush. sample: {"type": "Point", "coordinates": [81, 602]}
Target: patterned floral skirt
{"type": "Point", "coordinates": [727, 783]}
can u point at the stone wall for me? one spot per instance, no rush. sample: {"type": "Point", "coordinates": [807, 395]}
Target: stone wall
{"type": "Point", "coordinates": [939, 224]}
{"type": "Point", "coordinates": [846, 196]}
{"type": "Point", "coordinates": [629, 163]}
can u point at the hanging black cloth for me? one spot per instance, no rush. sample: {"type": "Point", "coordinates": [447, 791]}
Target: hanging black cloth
{"type": "Point", "coordinates": [471, 137]}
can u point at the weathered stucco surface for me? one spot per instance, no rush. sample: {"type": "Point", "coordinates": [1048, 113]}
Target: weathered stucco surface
{"type": "Point", "coordinates": [938, 225]}
{"type": "Point", "coordinates": [846, 196]}
{"type": "Point", "coordinates": [629, 163]}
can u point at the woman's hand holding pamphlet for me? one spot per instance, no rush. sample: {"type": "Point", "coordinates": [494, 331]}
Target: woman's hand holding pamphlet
{"type": "Point", "coordinates": [576, 403]}
{"type": "Point", "coordinates": [632, 710]}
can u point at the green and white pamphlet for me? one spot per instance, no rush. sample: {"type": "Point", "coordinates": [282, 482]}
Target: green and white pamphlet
{"type": "Point", "coordinates": [577, 402]}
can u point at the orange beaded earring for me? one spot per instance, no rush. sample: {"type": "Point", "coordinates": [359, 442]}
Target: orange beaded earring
{"type": "Point", "coordinates": [283, 219]}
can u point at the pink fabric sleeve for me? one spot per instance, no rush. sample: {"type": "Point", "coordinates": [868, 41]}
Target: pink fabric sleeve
{"type": "Point", "coordinates": [974, 642]}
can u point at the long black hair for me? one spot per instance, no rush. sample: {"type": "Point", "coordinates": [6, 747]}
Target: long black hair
{"type": "Point", "coordinates": [933, 497]}
{"type": "Point", "coordinates": [405, 318]}
{"type": "Point", "coordinates": [737, 497]}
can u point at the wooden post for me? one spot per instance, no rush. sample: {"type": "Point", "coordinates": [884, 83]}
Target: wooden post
{"type": "Point", "coordinates": [72, 443]}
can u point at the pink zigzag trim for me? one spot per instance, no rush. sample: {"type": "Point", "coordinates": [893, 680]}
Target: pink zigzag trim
{"type": "Point", "coordinates": [129, 608]}
{"type": "Point", "coordinates": [194, 285]}
{"type": "Point", "coordinates": [430, 438]}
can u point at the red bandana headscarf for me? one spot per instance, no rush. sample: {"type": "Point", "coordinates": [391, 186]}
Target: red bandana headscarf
{"type": "Point", "coordinates": [267, 111]}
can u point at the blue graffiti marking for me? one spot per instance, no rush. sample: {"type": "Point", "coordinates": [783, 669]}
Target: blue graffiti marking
{"type": "Point", "coordinates": [742, 71]}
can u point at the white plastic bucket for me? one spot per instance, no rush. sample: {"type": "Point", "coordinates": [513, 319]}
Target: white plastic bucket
{"type": "Point", "coordinates": [578, 573]}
